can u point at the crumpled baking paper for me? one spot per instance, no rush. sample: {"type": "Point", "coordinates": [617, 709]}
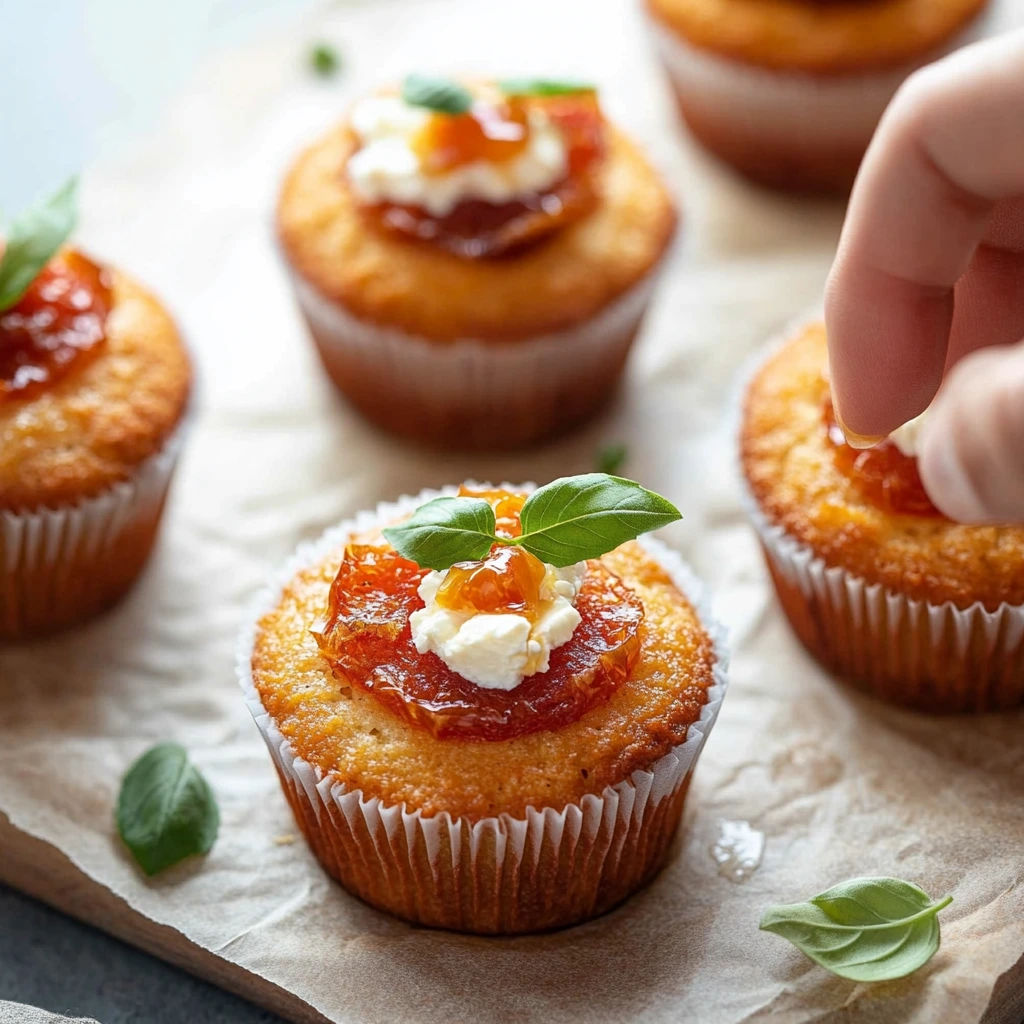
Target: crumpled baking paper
{"type": "Point", "coordinates": [837, 786]}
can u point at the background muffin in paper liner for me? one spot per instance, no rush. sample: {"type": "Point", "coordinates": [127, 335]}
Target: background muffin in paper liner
{"type": "Point", "coordinates": [916, 610]}
{"type": "Point", "coordinates": [442, 863]}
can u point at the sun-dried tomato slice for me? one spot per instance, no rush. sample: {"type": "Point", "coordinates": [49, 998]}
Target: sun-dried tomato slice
{"type": "Point", "coordinates": [367, 639]}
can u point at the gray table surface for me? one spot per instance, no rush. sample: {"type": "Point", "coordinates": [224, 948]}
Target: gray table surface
{"type": "Point", "coordinates": [49, 960]}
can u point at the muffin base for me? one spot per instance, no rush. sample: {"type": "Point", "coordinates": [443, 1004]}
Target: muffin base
{"type": "Point", "coordinates": [61, 566]}
{"type": "Point", "coordinates": [796, 132]}
{"type": "Point", "coordinates": [499, 875]}
{"type": "Point", "coordinates": [471, 394]}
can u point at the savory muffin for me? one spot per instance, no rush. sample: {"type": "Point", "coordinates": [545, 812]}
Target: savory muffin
{"type": "Point", "coordinates": [474, 261]}
{"type": "Point", "coordinates": [790, 91]}
{"type": "Point", "coordinates": [94, 382]}
{"type": "Point", "coordinates": [877, 583]}
{"type": "Point", "coordinates": [500, 746]}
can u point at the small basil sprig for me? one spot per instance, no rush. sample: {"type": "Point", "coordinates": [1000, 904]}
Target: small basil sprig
{"type": "Point", "coordinates": [166, 810]}
{"type": "Point", "coordinates": [611, 457]}
{"type": "Point", "coordinates": [324, 60]}
{"type": "Point", "coordinates": [566, 521]}
{"type": "Point", "coordinates": [32, 239]}
{"type": "Point", "coordinates": [441, 95]}
{"type": "Point", "coordinates": [543, 87]}
{"type": "Point", "coordinates": [866, 929]}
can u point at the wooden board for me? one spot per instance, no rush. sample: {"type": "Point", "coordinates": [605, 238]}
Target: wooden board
{"type": "Point", "coordinates": [43, 872]}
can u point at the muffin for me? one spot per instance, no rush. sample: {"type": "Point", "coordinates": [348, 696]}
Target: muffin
{"type": "Point", "coordinates": [790, 91]}
{"type": "Point", "coordinates": [881, 587]}
{"type": "Point", "coordinates": [536, 783]}
{"type": "Point", "coordinates": [474, 261]}
{"type": "Point", "coordinates": [94, 384]}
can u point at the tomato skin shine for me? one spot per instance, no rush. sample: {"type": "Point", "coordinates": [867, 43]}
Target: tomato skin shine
{"type": "Point", "coordinates": [58, 322]}
{"type": "Point", "coordinates": [368, 641]}
{"type": "Point", "coordinates": [886, 477]}
{"type": "Point", "coordinates": [498, 131]}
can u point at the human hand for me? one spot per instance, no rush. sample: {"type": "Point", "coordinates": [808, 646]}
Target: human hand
{"type": "Point", "coordinates": [928, 285]}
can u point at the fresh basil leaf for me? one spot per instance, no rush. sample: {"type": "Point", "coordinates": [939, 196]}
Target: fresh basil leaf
{"type": "Point", "coordinates": [166, 811]}
{"type": "Point", "coordinates": [543, 87]}
{"type": "Point", "coordinates": [324, 60]}
{"type": "Point", "coordinates": [445, 531]}
{"type": "Point", "coordinates": [580, 517]}
{"type": "Point", "coordinates": [439, 94]}
{"type": "Point", "coordinates": [866, 929]}
{"type": "Point", "coordinates": [611, 457]}
{"type": "Point", "coordinates": [32, 239]}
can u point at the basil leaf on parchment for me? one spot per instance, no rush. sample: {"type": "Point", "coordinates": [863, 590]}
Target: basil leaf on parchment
{"type": "Point", "coordinates": [865, 929]}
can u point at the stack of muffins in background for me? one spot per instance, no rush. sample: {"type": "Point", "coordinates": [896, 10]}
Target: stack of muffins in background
{"type": "Point", "coordinates": [474, 260]}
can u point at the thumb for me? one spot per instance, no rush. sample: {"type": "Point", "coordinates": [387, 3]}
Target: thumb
{"type": "Point", "coordinates": [972, 457]}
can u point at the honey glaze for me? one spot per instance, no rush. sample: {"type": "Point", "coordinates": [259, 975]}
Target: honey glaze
{"type": "Point", "coordinates": [886, 477]}
{"type": "Point", "coordinates": [497, 131]}
{"type": "Point", "coordinates": [58, 322]}
{"type": "Point", "coordinates": [368, 641]}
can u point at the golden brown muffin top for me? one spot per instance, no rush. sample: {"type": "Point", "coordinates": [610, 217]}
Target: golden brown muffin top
{"type": "Point", "coordinates": [346, 732]}
{"type": "Point", "coordinates": [790, 466]}
{"type": "Point", "coordinates": [818, 37]}
{"type": "Point", "coordinates": [93, 427]}
{"type": "Point", "coordinates": [423, 290]}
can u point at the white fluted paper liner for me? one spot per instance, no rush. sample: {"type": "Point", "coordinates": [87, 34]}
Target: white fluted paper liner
{"type": "Point", "coordinates": [793, 116]}
{"type": "Point", "coordinates": [935, 657]}
{"type": "Point", "coordinates": [472, 868]}
{"type": "Point", "coordinates": [470, 392]}
{"type": "Point", "coordinates": [61, 565]}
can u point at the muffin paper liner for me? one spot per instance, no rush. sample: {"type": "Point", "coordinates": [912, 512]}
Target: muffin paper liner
{"type": "Point", "coordinates": [62, 565]}
{"type": "Point", "coordinates": [931, 657]}
{"type": "Point", "coordinates": [502, 874]}
{"type": "Point", "coordinates": [472, 393]}
{"type": "Point", "coordinates": [790, 128]}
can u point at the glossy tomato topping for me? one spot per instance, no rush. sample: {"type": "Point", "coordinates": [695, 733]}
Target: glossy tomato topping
{"type": "Point", "coordinates": [59, 321]}
{"type": "Point", "coordinates": [497, 130]}
{"type": "Point", "coordinates": [886, 477]}
{"type": "Point", "coordinates": [367, 640]}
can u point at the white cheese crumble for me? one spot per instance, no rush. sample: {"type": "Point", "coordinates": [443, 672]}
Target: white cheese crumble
{"type": "Point", "coordinates": [498, 651]}
{"type": "Point", "coordinates": [386, 167]}
{"type": "Point", "coordinates": [908, 437]}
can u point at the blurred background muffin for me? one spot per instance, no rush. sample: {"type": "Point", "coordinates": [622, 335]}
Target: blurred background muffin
{"type": "Point", "coordinates": [789, 91]}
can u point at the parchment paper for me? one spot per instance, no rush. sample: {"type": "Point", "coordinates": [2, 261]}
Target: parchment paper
{"type": "Point", "coordinates": [839, 786]}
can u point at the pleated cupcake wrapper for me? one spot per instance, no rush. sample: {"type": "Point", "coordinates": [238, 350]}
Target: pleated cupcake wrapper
{"type": "Point", "coordinates": [499, 874]}
{"type": "Point", "coordinates": [47, 554]}
{"type": "Point", "coordinates": [795, 109]}
{"type": "Point", "coordinates": [469, 390]}
{"type": "Point", "coordinates": [934, 657]}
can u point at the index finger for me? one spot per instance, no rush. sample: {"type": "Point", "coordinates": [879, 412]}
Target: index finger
{"type": "Point", "coordinates": [950, 146]}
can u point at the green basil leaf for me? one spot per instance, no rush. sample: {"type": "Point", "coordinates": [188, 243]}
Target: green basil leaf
{"type": "Point", "coordinates": [543, 87]}
{"type": "Point", "coordinates": [866, 929]}
{"type": "Point", "coordinates": [166, 811]}
{"type": "Point", "coordinates": [324, 60]}
{"type": "Point", "coordinates": [580, 517]}
{"type": "Point", "coordinates": [32, 239]}
{"type": "Point", "coordinates": [611, 457]}
{"type": "Point", "coordinates": [438, 94]}
{"type": "Point", "coordinates": [445, 531]}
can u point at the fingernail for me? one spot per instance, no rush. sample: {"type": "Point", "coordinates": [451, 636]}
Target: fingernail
{"type": "Point", "coordinates": [858, 441]}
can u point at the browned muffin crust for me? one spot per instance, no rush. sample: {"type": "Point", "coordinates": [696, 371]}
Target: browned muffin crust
{"type": "Point", "coordinates": [94, 427]}
{"type": "Point", "coordinates": [425, 291]}
{"type": "Point", "coordinates": [344, 731]}
{"type": "Point", "coordinates": [789, 466]}
{"type": "Point", "coordinates": [818, 38]}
